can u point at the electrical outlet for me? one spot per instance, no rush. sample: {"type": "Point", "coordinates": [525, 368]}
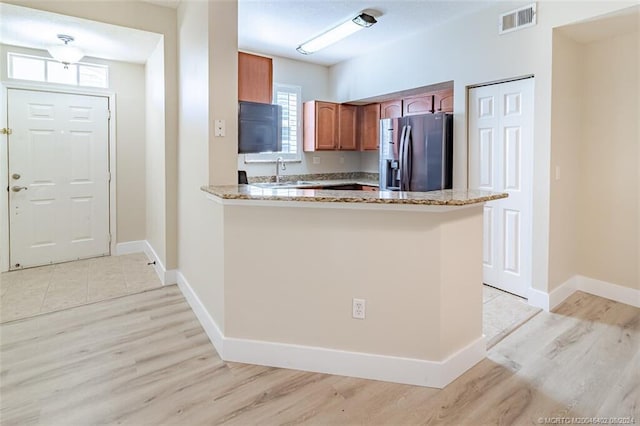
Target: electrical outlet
{"type": "Point", "coordinates": [341, 160]}
{"type": "Point", "coordinates": [316, 160]}
{"type": "Point", "coordinates": [359, 306]}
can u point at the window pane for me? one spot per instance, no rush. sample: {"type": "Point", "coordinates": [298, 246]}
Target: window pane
{"type": "Point", "coordinates": [288, 100]}
{"type": "Point", "coordinates": [56, 73]}
{"type": "Point", "coordinates": [26, 68]}
{"type": "Point", "coordinates": [93, 76]}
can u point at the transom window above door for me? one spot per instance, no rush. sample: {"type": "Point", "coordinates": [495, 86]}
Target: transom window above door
{"type": "Point", "coordinates": [45, 70]}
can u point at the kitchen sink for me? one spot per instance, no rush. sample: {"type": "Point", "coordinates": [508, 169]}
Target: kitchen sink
{"type": "Point", "coordinates": [293, 184]}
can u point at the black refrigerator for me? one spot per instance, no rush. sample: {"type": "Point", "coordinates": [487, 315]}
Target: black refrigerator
{"type": "Point", "coordinates": [416, 153]}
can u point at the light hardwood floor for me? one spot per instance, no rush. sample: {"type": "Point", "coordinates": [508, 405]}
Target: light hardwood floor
{"type": "Point", "coordinates": [144, 360]}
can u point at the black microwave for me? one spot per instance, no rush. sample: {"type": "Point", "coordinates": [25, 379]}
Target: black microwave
{"type": "Point", "coordinates": [259, 128]}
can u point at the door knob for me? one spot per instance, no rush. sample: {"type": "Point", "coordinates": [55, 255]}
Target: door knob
{"type": "Point", "coordinates": [16, 188]}
{"type": "Point", "coordinates": [16, 176]}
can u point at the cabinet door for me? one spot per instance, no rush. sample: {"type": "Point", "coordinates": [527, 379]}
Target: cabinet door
{"type": "Point", "coordinates": [347, 125]}
{"type": "Point", "coordinates": [443, 100]}
{"type": "Point", "coordinates": [413, 105]}
{"type": "Point", "coordinates": [326, 126]}
{"type": "Point", "coordinates": [255, 78]}
{"type": "Point", "coordinates": [391, 109]}
{"type": "Point", "coordinates": [369, 127]}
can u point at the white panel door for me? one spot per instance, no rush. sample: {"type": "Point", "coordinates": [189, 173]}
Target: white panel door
{"type": "Point", "coordinates": [501, 159]}
{"type": "Point", "coordinates": [58, 177]}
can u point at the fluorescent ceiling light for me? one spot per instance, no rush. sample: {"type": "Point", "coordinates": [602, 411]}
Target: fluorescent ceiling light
{"type": "Point", "coordinates": [64, 52]}
{"type": "Point", "coordinates": [337, 33]}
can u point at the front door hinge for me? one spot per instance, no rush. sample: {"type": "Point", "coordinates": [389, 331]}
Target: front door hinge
{"type": "Point", "coordinates": [108, 114]}
{"type": "Point", "coordinates": [109, 176]}
{"type": "Point", "coordinates": [5, 131]}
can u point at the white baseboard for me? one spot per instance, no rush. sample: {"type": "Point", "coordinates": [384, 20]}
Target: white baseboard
{"type": "Point", "coordinates": [548, 301]}
{"type": "Point", "coordinates": [143, 246]}
{"type": "Point", "coordinates": [610, 291]}
{"type": "Point", "coordinates": [356, 364]}
{"type": "Point", "coordinates": [130, 247]}
{"type": "Point", "coordinates": [331, 361]}
{"type": "Point", "coordinates": [166, 277]}
{"type": "Point", "coordinates": [206, 321]}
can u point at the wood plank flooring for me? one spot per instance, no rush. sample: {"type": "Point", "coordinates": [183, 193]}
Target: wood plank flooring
{"type": "Point", "coordinates": [143, 359]}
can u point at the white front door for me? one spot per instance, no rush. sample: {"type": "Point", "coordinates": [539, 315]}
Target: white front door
{"type": "Point", "coordinates": [58, 177]}
{"type": "Point", "coordinates": [501, 160]}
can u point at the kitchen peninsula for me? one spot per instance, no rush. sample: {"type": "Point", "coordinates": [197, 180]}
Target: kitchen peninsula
{"type": "Point", "coordinates": [292, 260]}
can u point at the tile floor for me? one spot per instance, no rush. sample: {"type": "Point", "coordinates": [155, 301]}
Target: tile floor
{"type": "Point", "coordinates": [502, 313]}
{"type": "Point", "coordinates": [33, 291]}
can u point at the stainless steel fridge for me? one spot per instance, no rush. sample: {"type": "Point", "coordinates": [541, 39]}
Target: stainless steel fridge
{"type": "Point", "coordinates": [416, 153]}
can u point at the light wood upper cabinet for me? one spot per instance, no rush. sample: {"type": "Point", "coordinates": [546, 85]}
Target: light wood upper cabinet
{"type": "Point", "coordinates": [369, 126]}
{"type": "Point", "coordinates": [443, 100]}
{"type": "Point", "coordinates": [391, 109]}
{"type": "Point", "coordinates": [255, 78]}
{"type": "Point", "coordinates": [329, 126]}
{"type": "Point", "coordinates": [421, 104]}
{"type": "Point", "coordinates": [347, 127]}
{"type": "Point", "coordinates": [320, 126]}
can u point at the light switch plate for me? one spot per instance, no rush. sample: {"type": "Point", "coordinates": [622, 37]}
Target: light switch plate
{"type": "Point", "coordinates": [219, 128]}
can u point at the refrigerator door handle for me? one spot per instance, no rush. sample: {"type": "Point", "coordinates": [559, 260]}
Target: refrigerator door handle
{"type": "Point", "coordinates": [406, 161]}
{"type": "Point", "coordinates": [400, 157]}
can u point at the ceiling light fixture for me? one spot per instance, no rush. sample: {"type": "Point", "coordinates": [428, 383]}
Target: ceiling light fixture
{"type": "Point", "coordinates": [345, 29]}
{"type": "Point", "coordinates": [65, 53]}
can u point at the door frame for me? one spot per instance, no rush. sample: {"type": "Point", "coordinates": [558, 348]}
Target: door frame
{"type": "Point", "coordinates": [467, 121]}
{"type": "Point", "coordinates": [4, 157]}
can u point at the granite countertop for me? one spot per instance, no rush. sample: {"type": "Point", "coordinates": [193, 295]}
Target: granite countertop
{"type": "Point", "coordinates": [448, 197]}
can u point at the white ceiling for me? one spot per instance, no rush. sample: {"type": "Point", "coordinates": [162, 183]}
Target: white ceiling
{"type": "Point", "coordinates": [271, 27]}
{"type": "Point", "coordinates": [278, 27]}
{"type": "Point", "coordinates": [36, 29]}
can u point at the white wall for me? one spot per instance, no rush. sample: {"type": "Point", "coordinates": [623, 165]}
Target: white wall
{"type": "Point", "coordinates": [127, 81]}
{"type": "Point", "coordinates": [609, 215]}
{"type": "Point", "coordinates": [594, 213]}
{"type": "Point", "coordinates": [156, 191]}
{"type": "Point", "coordinates": [370, 162]}
{"type": "Point", "coordinates": [566, 130]}
{"type": "Point", "coordinates": [469, 51]}
{"type": "Point", "coordinates": [206, 93]}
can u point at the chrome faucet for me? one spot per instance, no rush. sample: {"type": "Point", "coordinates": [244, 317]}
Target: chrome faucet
{"type": "Point", "coordinates": [279, 166]}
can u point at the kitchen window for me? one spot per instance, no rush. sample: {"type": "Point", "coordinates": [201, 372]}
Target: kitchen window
{"type": "Point", "coordinates": [289, 97]}
{"type": "Point", "coordinates": [45, 70]}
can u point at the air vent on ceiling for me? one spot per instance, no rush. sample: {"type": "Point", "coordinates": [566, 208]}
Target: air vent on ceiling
{"type": "Point", "coordinates": [517, 19]}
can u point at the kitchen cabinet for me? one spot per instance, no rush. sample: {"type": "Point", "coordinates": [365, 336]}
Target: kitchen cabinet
{"type": "Point", "coordinates": [369, 127]}
{"type": "Point", "coordinates": [320, 126]}
{"type": "Point", "coordinates": [391, 109]}
{"type": "Point", "coordinates": [347, 127]}
{"type": "Point", "coordinates": [443, 100]}
{"type": "Point", "coordinates": [255, 78]}
{"type": "Point", "coordinates": [329, 126]}
{"type": "Point", "coordinates": [421, 104]}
